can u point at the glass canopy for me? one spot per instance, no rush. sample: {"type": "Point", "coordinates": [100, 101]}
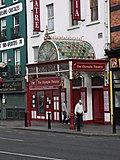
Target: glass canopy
{"type": "Point", "coordinates": [65, 49]}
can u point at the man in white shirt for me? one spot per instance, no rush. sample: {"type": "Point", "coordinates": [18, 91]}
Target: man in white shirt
{"type": "Point", "coordinates": [79, 113]}
{"type": "Point", "coordinates": [64, 111]}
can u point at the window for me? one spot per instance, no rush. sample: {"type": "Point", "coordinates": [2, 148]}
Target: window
{"type": "Point", "coordinates": [4, 56]}
{"type": "Point", "coordinates": [3, 28]}
{"type": "Point", "coordinates": [16, 24]}
{"type": "Point", "coordinates": [35, 51]}
{"type": "Point", "coordinates": [2, 2]}
{"type": "Point", "coordinates": [94, 10]}
{"type": "Point", "coordinates": [41, 107]}
{"type": "Point", "coordinates": [73, 22]}
{"type": "Point", "coordinates": [17, 61]}
{"type": "Point", "coordinates": [50, 10]}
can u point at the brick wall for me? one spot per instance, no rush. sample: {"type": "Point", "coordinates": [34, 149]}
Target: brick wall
{"type": "Point", "coordinates": [115, 22]}
{"type": "Point", "coordinates": [114, 2]}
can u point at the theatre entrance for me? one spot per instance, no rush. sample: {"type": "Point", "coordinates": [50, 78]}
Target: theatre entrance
{"type": "Point", "coordinates": [98, 105]}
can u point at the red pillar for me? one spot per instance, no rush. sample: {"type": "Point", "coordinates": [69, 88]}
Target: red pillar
{"type": "Point", "coordinates": [72, 126]}
{"type": "Point", "coordinates": [28, 105]}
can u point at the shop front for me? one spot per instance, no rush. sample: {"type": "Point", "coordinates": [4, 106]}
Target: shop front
{"type": "Point", "coordinates": [67, 70]}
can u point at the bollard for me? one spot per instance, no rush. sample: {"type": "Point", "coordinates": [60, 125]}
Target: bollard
{"type": "Point", "coordinates": [49, 121]}
{"type": "Point", "coordinates": [26, 119]}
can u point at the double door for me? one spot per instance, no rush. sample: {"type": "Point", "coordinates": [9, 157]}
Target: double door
{"type": "Point", "coordinates": [48, 101]}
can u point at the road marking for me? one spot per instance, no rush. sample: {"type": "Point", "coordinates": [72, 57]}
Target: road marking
{"type": "Point", "coordinates": [31, 156]}
{"type": "Point", "coordinates": [10, 139]}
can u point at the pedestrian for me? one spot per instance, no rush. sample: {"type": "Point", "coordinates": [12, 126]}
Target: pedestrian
{"type": "Point", "coordinates": [64, 111]}
{"type": "Point", "coordinates": [79, 113]}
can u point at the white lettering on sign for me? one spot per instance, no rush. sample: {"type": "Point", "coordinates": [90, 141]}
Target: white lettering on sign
{"type": "Point", "coordinates": [36, 11]}
{"type": "Point", "coordinates": [11, 10]}
{"type": "Point", "coordinates": [76, 9]}
{"type": "Point", "coordinates": [12, 44]}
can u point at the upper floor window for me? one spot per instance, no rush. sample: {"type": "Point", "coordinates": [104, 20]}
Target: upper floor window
{"type": "Point", "coordinates": [4, 56]}
{"type": "Point", "coordinates": [73, 22]}
{"type": "Point", "coordinates": [3, 28]}
{"type": "Point", "coordinates": [2, 2]}
{"type": "Point", "coordinates": [50, 11]}
{"type": "Point", "coordinates": [17, 57]}
{"type": "Point", "coordinates": [94, 10]}
{"type": "Point", "coordinates": [17, 61]}
{"type": "Point", "coordinates": [16, 24]}
{"type": "Point", "coordinates": [35, 51]}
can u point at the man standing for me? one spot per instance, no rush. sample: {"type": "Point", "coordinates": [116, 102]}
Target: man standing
{"type": "Point", "coordinates": [64, 111]}
{"type": "Point", "coordinates": [79, 113]}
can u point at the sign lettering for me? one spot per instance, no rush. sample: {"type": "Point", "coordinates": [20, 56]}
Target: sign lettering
{"type": "Point", "coordinates": [12, 44]}
{"type": "Point", "coordinates": [76, 10]}
{"type": "Point", "coordinates": [36, 12]}
{"type": "Point", "coordinates": [11, 10]}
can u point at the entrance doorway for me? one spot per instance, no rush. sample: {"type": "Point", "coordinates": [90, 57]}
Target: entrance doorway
{"type": "Point", "coordinates": [117, 105]}
{"type": "Point", "coordinates": [98, 105]}
{"type": "Point", "coordinates": [76, 96]}
{"type": "Point", "coordinates": [45, 102]}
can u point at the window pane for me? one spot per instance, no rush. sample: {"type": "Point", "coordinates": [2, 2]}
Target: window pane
{"type": "Point", "coordinates": [51, 24]}
{"type": "Point", "coordinates": [94, 10]}
{"type": "Point", "coordinates": [50, 17]}
{"type": "Point", "coordinates": [35, 53]}
{"type": "Point", "coordinates": [17, 56]}
{"type": "Point", "coordinates": [4, 57]}
{"type": "Point", "coordinates": [41, 107]}
{"type": "Point", "coordinates": [16, 19]}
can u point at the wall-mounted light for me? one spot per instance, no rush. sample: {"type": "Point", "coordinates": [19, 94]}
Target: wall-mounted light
{"type": "Point", "coordinates": [9, 59]}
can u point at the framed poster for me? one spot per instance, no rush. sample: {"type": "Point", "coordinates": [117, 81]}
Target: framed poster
{"type": "Point", "coordinates": [83, 96]}
{"type": "Point", "coordinates": [106, 99]}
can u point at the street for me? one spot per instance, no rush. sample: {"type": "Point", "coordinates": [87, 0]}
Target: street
{"type": "Point", "coordinates": [33, 145]}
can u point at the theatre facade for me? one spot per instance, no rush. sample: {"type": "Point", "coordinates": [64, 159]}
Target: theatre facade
{"type": "Point", "coordinates": [67, 69]}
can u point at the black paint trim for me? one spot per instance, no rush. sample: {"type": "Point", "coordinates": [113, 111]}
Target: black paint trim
{"type": "Point", "coordinates": [115, 29]}
{"type": "Point", "coordinates": [115, 8]}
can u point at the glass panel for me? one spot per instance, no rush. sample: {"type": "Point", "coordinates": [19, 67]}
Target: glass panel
{"type": "Point", "coordinates": [4, 57]}
{"type": "Point", "coordinates": [41, 108]}
{"type": "Point", "coordinates": [48, 99]}
{"type": "Point", "coordinates": [55, 91]}
{"type": "Point", "coordinates": [50, 17]}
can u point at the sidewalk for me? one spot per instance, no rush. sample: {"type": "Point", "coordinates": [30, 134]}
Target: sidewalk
{"type": "Point", "coordinates": [87, 130]}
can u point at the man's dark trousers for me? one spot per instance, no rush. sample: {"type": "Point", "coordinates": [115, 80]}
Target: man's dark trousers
{"type": "Point", "coordinates": [79, 121]}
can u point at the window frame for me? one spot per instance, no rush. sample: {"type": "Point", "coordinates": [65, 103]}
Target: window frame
{"type": "Point", "coordinates": [3, 27]}
{"type": "Point", "coordinates": [94, 10]}
{"type": "Point", "coordinates": [4, 56]}
{"type": "Point", "coordinates": [35, 51]}
{"type": "Point", "coordinates": [50, 16]}
{"type": "Point", "coordinates": [17, 60]}
{"type": "Point", "coordinates": [2, 2]}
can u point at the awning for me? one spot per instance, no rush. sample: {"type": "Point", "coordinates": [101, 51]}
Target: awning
{"type": "Point", "coordinates": [65, 49]}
